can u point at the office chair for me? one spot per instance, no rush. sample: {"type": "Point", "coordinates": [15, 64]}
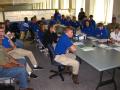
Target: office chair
{"type": "Point", "coordinates": [40, 45]}
{"type": "Point", "coordinates": [59, 66]}
{"type": "Point", "coordinates": [3, 79]}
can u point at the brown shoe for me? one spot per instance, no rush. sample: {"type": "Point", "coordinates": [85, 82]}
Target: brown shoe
{"type": "Point", "coordinates": [75, 79]}
{"type": "Point", "coordinates": [29, 89]}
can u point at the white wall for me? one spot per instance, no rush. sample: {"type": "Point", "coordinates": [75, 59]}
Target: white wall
{"type": "Point", "coordinates": [19, 15]}
{"type": "Point", "coordinates": [1, 17]}
{"type": "Point", "coordinates": [116, 9]}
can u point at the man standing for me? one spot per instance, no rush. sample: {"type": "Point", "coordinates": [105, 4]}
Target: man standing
{"type": "Point", "coordinates": [64, 44]}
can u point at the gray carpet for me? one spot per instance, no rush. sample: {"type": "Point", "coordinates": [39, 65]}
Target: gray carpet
{"type": "Point", "coordinates": [88, 76]}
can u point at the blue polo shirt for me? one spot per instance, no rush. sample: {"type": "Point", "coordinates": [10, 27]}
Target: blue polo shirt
{"type": "Point", "coordinates": [102, 34]}
{"type": "Point", "coordinates": [6, 43]}
{"type": "Point", "coordinates": [63, 44]}
{"type": "Point", "coordinates": [57, 16]}
{"type": "Point", "coordinates": [93, 23]}
{"type": "Point", "coordinates": [63, 21]}
{"type": "Point", "coordinates": [88, 30]}
{"type": "Point", "coordinates": [34, 26]}
{"type": "Point", "coordinates": [75, 24]}
{"type": "Point", "coordinates": [52, 22]}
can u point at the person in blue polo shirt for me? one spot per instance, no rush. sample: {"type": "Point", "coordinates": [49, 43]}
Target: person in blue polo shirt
{"type": "Point", "coordinates": [101, 32]}
{"type": "Point", "coordinates": [64, 44]}
{"type": "Point", "coordinates": [57, 16]}
{"type": "Point", "coordinates": [63, 20]}
{"type": "Point", "coordinates": [92, 21]}
{"type": "Point", "coordinates": [68, 21]}
{"type": "Point", "coordinates": [88, 29]}
{"type": "Point", "coordinates": [75, 23]}
{"type": "Point", "coordinates": [52, 21]}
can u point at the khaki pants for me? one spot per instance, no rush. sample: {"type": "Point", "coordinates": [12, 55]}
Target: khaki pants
{"type": "Point", "coordinates": [19, 52]}
{"type": "Point", "coordinates": [68, 60]}
{"type": "Point", "coordinates": [22, 35]}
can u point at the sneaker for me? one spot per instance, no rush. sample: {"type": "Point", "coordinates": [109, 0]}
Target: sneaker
{"type": "Point", "coordinates": [38, 67]}
{"type": "Point", "coordinates": [32, 75]}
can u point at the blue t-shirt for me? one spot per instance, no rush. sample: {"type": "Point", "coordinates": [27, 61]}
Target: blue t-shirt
{"type": "Point", "coordinates": [6, 43]}
{"type": "Point", "coordinates": [63, 44]}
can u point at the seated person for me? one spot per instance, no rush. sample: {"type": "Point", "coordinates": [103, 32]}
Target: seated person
{"type": "Point", "coordinates": [64, 44]}
{"type": "Point", "coordinates": [24, 27]}
{"type": "Point", "coordinates": [17, 53]}
{"type": "Point", "coordinates": [50, 36]}
{"type": "Point", "coordinates": [41, 32]}
{"type": "Point", "coordinates": [52, 21]}
{"type": "Point", "coordinates": [9, 67]}
{"type": "Point", "coordinates": [87, 29]}
{"type": "Point", "coordinates": [92, 21]}
{"type": "Point", "coordinates": [115, 35]}
{"type": "Point", "coordinates": [101, 32]}
{"type": "Point", "coordinates": [75, 23]}
{"type": "Point", "coordinates": [111, 26]}
{"type": "Point", "coordinates": [19, 43]}
{"type": "Point", "coordinates": [68, 21]}
{"type": "Point", "coordinates": [63, 20]}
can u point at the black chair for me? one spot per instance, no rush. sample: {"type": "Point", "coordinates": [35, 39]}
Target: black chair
{"type": "Point", "coordinates": [59, 66]}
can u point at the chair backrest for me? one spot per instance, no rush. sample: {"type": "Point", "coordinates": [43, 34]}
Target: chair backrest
{"type": "Point", "coordinates": [51, 52]}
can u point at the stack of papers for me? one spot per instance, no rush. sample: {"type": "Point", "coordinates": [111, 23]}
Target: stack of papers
{"type": "Point", "coordinates": [78, 43]}
{"type": "Point", "coordinates": [88, 48]}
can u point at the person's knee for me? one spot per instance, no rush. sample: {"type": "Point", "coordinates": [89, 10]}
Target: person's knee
{"type": "Point", "coordinates": [76, 63]}
{"type": "Point", "coordinates": [21, 70]}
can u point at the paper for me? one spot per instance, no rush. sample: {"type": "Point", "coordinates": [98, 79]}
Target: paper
{"type": "Point", "coordinates": [93, 38]}
{"type": "Point", "coordinates": [117, 49]}
{"type": "Point", "coordinates": [102, 40]}
{"type": "Point", "coordinates": [117, 44]}
{"type": "Point", "coordinates": [78, 43]}
{"type": "Point", "coordinates": [88, 48]}
{"type": "Point", "coordinates": [104, 46]}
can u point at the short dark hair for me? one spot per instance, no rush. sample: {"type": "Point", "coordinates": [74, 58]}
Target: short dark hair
{"type": "Point", "coordinates": [100, 24]}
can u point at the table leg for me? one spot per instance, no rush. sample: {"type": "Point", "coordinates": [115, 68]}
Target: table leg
{"type": "Point", "coordinates": [110, 81]}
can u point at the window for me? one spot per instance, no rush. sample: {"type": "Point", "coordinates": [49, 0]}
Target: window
{"type": "Point", "coordinates": [102, 10]}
